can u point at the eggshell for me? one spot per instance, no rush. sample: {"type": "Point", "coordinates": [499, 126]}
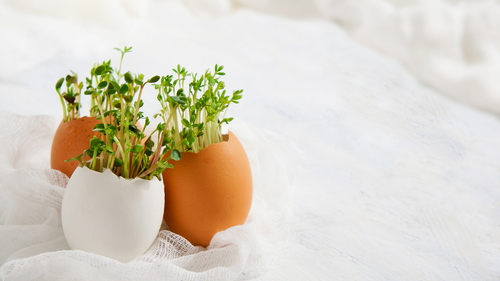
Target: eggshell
{"type": "Point", "coordinates": [209, 191]}
{"type": "Point", "coordinates": [111, 216]}
{"type": "Point", "coordinates": [70, 140]}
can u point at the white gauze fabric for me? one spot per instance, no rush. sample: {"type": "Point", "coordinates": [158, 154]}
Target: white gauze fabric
{"type": "Point", "coordinates": [33, 246]}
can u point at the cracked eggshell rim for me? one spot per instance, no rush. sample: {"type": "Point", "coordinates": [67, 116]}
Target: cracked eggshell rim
{"type": "Point", "coordinates": [111, 216]}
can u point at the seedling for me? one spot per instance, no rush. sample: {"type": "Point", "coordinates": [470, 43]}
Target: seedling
{"type": "Point", "coordinates": [122, 147]}
{"type": "Point", "coordinates": [70, 99]}
{"type": "Point", "coordinates": [192, 115]}
{"type": "Point", "coordinates": [195, 112]}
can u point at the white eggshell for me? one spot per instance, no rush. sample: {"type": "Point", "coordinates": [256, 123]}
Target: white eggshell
{"type": "Point", "coordinates": [111, 216]}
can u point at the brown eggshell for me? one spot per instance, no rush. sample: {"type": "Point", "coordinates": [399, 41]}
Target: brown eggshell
{"type": "Point", "coordinates": [208, 191]}
{"type": "Point", "coordinates": [70, 140]}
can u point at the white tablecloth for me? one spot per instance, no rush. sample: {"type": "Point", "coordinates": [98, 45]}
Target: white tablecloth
{"type": "Point", "coordinates": [373, 175]}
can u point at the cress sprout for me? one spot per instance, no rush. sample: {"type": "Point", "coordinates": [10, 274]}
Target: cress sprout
{"type": "Point", "coordinates": [70, 98]}
{"type": "Point", "coordinates": [194, 112]}
{"type": "Point", "coordinates": [122, 147]}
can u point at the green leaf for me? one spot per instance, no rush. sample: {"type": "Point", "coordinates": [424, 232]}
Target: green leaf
{"type": "Point", "coordinates": [115, 86]}
{"type": "Point", "coordinates": [149, 143]}
{"type": "Point", "coordinates": [102, 85]}
{"type": "Point", "coordinates": [154, 79]}
{"type": "Point", "coordinates": [129, 109]}
{"type": "Point", "coordinates": [59, 83]}
{"type": "Point", "coordinates": [110, 77]}
{"type": "Point", "coordinates": [99, 128]}
{"type": "Point", "coordinates": [128, 77]}
{"type": "Point", "coordinates": [184, 142]}
{"type": "Point", "coordinates": [77, 158]}
{"type": "Point", "coordinates": [109, 150]}
{"type": "Point", "coordinates": [111, 130]}
{"type": "Point", "coordinates": [226, 120]}
{"type": "Point", "coordinates": [114, 112]}
{"type": "Point", "coordinates": [69, 98]}
{"type": "Point", "coordinates": [176, 155]}
{"type": "Point", "coordinates": [160, 127]}
{"type": "Point", "coordinates": [118, 162]}
{"type": "Point", "coordinates": [166, 141]}
{"type": "Point", "coordinates": [89, 152]}
{"type": "Point", "coordinates": [137, 148]}
{"type": "Point", "coordinates": [110, 91]}
{"type": "Point", "coordinates": [141, 103]}
{"type": "Point", "coordinates": [133, 128]}
{"type": "Point", "coordinates": [123, 89]}
{"type": "Point", "coordinates": [96, 142]}
{"type": "Point", "coordinates": [100, 69]}
{"type": "Point", "coordinates": [182, 100]}
{"type": "Point", "coordinates": [162, 164]}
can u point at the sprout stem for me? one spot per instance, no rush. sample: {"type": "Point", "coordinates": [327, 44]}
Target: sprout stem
{"type": "Point", "coordinates": [63, 105]}
{"type": "Point", "coordinates": [137, 104]}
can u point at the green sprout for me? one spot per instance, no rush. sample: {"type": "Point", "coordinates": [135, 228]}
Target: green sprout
{"type": "Point", "coordinates": [192, 114]}
{"type": "Point", "coordinates": [195, 112]}
{"type": "Point", "coordinates": [70, 99]}
{"type": "Point", "coordinates": [121, 146]}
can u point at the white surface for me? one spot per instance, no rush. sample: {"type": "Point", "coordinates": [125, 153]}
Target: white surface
{"type": "Point", "coordinates": [111, 216]}
{"type": "Point", "coordinates": [390, 181]}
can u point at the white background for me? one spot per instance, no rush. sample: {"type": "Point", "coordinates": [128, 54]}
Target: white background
{"type": "Point", "coordinates": [388, 176]}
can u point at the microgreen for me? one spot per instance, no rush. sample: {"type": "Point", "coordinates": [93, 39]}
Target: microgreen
{"type": "Point", "coordinates": [70, 98]}
{"type": "Point", "coordinates": [122, 147]}
{"type": "Point", "coordinates": [195, 111]}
